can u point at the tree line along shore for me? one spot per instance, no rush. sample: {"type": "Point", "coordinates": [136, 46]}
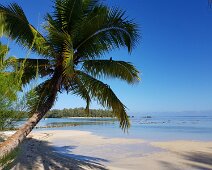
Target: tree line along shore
{"type": "Point", "coordinates": [78, 112]}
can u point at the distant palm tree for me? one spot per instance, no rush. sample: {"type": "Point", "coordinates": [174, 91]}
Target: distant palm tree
{"type": "Point", "coordinates": [76, 36]}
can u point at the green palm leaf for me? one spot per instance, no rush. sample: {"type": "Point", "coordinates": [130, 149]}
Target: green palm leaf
{"type": "Point", "coordinates": [33, 68]}
{"type": "Point", "coordinates": [77, 87]}
{"type": "Point", "coordinates": [14, 24]}
{"type": "Point", "coordinates": [103, 30]}
{"type": "Point", "coordinates": [67, 13]}
{"type": "Point", "coordinates": [3, 52]}
{"type": "Point", "coordinates": [45, 95]}
{"type": "Point", "coordinates": [106, 97]}
{"type": "Point", "coordinates": [110, 68]}
{"type": "Point", "coordinates": [89, 5]}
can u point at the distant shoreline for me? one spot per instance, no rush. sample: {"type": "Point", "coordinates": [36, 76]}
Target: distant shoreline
{"type": "Point", "coordinates": [80, 117]}
{"type": "Point", "coordinates": [79, 112]}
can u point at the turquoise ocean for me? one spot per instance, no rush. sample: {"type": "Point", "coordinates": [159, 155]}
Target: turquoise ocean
{"type": "Point", "coordinates": [152, 127]}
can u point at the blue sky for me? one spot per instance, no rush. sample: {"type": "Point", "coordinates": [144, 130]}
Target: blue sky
{"type": "Point", "coordinates": [174, 55]}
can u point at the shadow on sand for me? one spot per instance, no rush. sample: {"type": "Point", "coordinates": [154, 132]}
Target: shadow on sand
{"type": "Point", "coordinates": [35, 154]}
{"type": "Point", "coordinates": [199, 160]}
{"type": "Point", "coordinates": [195, 160]}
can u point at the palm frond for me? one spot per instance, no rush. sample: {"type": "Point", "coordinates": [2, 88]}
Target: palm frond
{"type": "Point", "coordinates": [106, 97]}
{"type": "Point", "coordinates": [3, 49]}
{"type": "Point", "coordinates": [110, 68]}
{"type": "Point", "coordinates": [14, 24]}
{"type": "Point", "coordinates": [3, 52]}
{"type": "Point", "coordinates": [61, 41]}
{"type": "Point", "coordinates": [67, 13]}
{"type": "Point", "coordinates": [76, 87]}
{"type": "Point", "coordinates": [45, 95]}
{"type": "Point", "coordinates": [89, 5]}
{"type": "Point", "coordinates": [62, 44]}
{"type": "Point", "coordinates": [55, 35]}
{"type": "Point", "coordinates": [32, 67]}
{"type": "Point", "coordinates": [68, 57]}
{"type": "Point", "coordinates": [41, 94]}
{"type": "Point", "coordinates": [102, 30]}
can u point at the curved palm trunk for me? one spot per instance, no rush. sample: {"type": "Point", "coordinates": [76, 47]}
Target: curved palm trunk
{"type": "Point", "coordinates": [13, 142]}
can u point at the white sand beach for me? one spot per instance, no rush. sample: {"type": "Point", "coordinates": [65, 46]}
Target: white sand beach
{"type": "Point", "coordinates": [69, 149]}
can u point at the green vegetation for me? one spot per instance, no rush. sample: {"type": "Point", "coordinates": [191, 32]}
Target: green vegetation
{"type": "Point", "coordinates": [10, 85]}
{"type": "Point", "coordinates": [78, 112]}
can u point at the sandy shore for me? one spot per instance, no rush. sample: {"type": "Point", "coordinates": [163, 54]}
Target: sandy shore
{"type": "Point", "coordinates": [68, 149]}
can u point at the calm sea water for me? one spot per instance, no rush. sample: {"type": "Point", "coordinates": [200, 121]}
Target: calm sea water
{"type": "Point", "coordinates": [149, 128]}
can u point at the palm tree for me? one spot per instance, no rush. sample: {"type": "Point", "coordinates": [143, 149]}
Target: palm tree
{"type": "Point", "coordinates": [76, 37]}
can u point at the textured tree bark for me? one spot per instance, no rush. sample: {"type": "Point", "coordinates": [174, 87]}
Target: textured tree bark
{"type": "Point", "coordinates": [12, 142]}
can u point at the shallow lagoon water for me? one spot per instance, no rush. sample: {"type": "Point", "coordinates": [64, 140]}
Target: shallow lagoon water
{"type": "Point", "coordinates": [156, 128]}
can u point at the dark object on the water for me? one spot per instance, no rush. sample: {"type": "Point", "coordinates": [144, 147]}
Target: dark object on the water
{"type": "Point", "coordinates": [111, 59]}
{"type": "Point", "coordinates": [147, 122]}
{"type": "Point", "coordinates": [147, 117]}
{"type": "Point", "coordinates": [132, 116]}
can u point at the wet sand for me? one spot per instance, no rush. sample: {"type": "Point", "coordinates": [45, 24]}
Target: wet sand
{"type": "Point", "coordinates": [69, 149]}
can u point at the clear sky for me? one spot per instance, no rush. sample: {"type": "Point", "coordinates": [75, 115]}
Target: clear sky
{"type": "Point", "coordinates": [174, 55]}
